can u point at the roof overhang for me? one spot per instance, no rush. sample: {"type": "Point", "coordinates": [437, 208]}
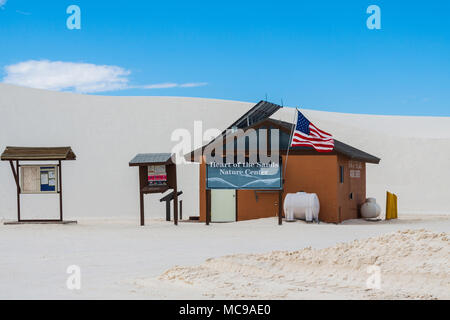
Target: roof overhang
{"type": "Point", "coordinates": [38, 154]}
{"type": "Point", "coordinates": [339, 147]}
{"type": "Point", "coordinates": [149, 159]}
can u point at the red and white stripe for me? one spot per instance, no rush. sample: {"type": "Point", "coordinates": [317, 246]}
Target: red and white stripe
{"type": "Point", "coordinates": [313, 130]}
{"type": "Point", "coordinates": [318, 139]}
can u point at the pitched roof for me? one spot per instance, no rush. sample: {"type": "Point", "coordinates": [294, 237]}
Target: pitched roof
{"type": "Point", "coordinates": [258, 113]}
{"type": "Point", "coordinates": [286, 127]}
{"type": "Point", "coordinates": [354, 153]}
{"type": "Point", "coordinates": [38, 153]}
{"type": "Point", "coordinates": [151, 158]}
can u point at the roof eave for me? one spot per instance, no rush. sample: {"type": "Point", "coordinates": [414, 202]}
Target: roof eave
{"type": "Point", "coordinates": [141, 164]}
{"type": "Point", "coordinates": [19, 154]}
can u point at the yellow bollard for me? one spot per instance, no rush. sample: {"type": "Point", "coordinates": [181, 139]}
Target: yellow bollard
{"type": "Point", "coordinates": [391, 206]}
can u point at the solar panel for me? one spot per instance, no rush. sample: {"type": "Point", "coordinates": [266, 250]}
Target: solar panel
{"type": "Point", "coordinates": [262, 110]}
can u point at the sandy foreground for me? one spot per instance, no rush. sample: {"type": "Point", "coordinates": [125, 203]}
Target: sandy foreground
{"type": "Point", "coordinates": [413, 264]}
{"type": "Point", "coordinates": [251, 259]}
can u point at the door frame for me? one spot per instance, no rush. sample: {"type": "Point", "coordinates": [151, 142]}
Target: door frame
{"type": "Point", "coordinates": [208, 205]}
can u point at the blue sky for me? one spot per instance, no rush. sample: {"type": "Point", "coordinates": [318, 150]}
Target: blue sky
{"type": "Point", "coordinates": [311, 54]}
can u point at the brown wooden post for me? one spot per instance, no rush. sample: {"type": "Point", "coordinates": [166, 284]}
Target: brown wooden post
{"type": "Point", "coordinates": [60, 191]}
{"type": "Point", "coordinates": [141, 204]}
{"type": "Point", "coordinates": [236, 202]}
{"type": "Point", "coordinates": [175, 193]}
{"type": "Point", "coordinates": [280, 210]}
{"type": "Point", "coordinates": [181, 209]}
{"type": "Point", "coordinates": [208, 207]}
{"type": "Point", "coordinates": [18, 190]}
{"type": "Point", "coordinates": [168, 210]}
{"type": "Point", "coordinates": [175, 207]}
{"type": "Point", "coordinates": [16, 178]}
{"type": "Point", "coordinates": [143, 180]}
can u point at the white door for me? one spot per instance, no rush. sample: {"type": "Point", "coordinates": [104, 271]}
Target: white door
{"type": "Point", "coordinates": [223, 205]}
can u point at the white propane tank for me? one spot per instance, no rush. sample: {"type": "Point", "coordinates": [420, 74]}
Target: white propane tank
{"type": "Point", "coordinates": [370, 209]}
{"type": "Point", "coordinates": [301, 205]}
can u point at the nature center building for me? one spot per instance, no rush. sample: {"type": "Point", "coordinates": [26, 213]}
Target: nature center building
{"type": "Point", "coordinates": [337, 177]}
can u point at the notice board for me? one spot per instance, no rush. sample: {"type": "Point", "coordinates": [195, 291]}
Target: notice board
{"type": "Point", "coordinates": [157, 175]}
{"type": "Point", "coordinates": [39, 178]}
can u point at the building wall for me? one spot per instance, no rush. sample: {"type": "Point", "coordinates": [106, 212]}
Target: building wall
{"type": "Point", "coordinates": [354, 184]}
{"type": "Point", "coordinates": [310, 173]}
{"type": "Point", "coordinates": [315, 174]}
{"type": "Point", "coordinates": [249, 207]}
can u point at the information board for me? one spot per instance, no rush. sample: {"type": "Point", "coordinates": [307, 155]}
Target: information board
{"type": "Point", "coordinates": [157, 175]}
{"type": "Point", "coordinates": [39, 179]}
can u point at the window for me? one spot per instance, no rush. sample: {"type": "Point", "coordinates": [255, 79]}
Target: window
{"type": "Point", "coordinates": [341, 174]}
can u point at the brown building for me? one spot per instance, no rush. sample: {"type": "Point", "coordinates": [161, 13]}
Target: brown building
{"type": "Point", "coordinates": [338, 178]}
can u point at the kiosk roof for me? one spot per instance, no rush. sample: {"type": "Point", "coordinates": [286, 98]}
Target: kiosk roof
{"type": "Point", "coordinates": [38, 153]}
{"type": "Point", "coordinates": [143, 159]}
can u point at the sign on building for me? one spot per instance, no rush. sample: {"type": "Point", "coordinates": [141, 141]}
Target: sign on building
{"type": "Point", "coordinates": [245, 176]}
{"type": "Point", "coordinates": [355, 168]}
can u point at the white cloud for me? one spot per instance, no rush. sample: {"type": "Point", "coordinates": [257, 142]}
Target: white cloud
{"type": "Point", "coordinates": [57, 75]}
{"type": "Point", "coordinates": [3, 2]}
{"type": "Point", "coordinates": [23, 13]}
{"type": "Point", "coordinates": [193, 84]}
{"type": "Point", "coordinates": [158, 86]}
{"type": "Point", "coordinates": [78, 77]}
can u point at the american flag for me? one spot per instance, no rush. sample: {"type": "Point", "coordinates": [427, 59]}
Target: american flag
{"type": "Point", "coordinates": [308, 135]}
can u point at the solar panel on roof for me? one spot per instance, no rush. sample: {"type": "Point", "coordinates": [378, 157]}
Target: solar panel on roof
{"type": "Point", "coordinates": [262, 110]}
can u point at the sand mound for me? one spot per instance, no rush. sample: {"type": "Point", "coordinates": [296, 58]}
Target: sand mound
{"type": "Point", "coordinates": [413, 264]}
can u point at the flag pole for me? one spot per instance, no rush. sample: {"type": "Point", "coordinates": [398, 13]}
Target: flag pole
{"type": "Point", "coordinates": [290, 141]}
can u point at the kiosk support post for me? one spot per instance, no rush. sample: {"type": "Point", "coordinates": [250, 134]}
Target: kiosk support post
{"type": "Point", "coordinates": [175, 195]}
{"type": "Point", "coordinates": [60, 191]}
{"type": "Point", "coordinates": [208, 207]}
{"type": "Point", "coordinates": [141, 204]}
{"type": "Point", "coordinates": [175, 207]}
{"type": "Point", "coordinates": [142, 183]}
{"type": "Point", "coordinates": [167, 210]}
{"type": "Point", "coordinates": [18, 188]}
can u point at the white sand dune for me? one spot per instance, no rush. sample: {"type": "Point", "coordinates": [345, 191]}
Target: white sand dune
{"type": "Point", "coordinates": [120, 260]}
{"type": "Point", "coordinates": [413, 264]}
{"type": "Point", "coordinates": [106, 132]}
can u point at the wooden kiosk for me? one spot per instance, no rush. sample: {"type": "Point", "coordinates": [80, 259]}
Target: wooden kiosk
{"type": "Point", "coordinates": [38, 178]}
{"type": "Point", "coordinates": [157, 174]}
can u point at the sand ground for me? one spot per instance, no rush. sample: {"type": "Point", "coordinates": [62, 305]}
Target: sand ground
{"type": "Point", "coordinates": [119, 259]}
